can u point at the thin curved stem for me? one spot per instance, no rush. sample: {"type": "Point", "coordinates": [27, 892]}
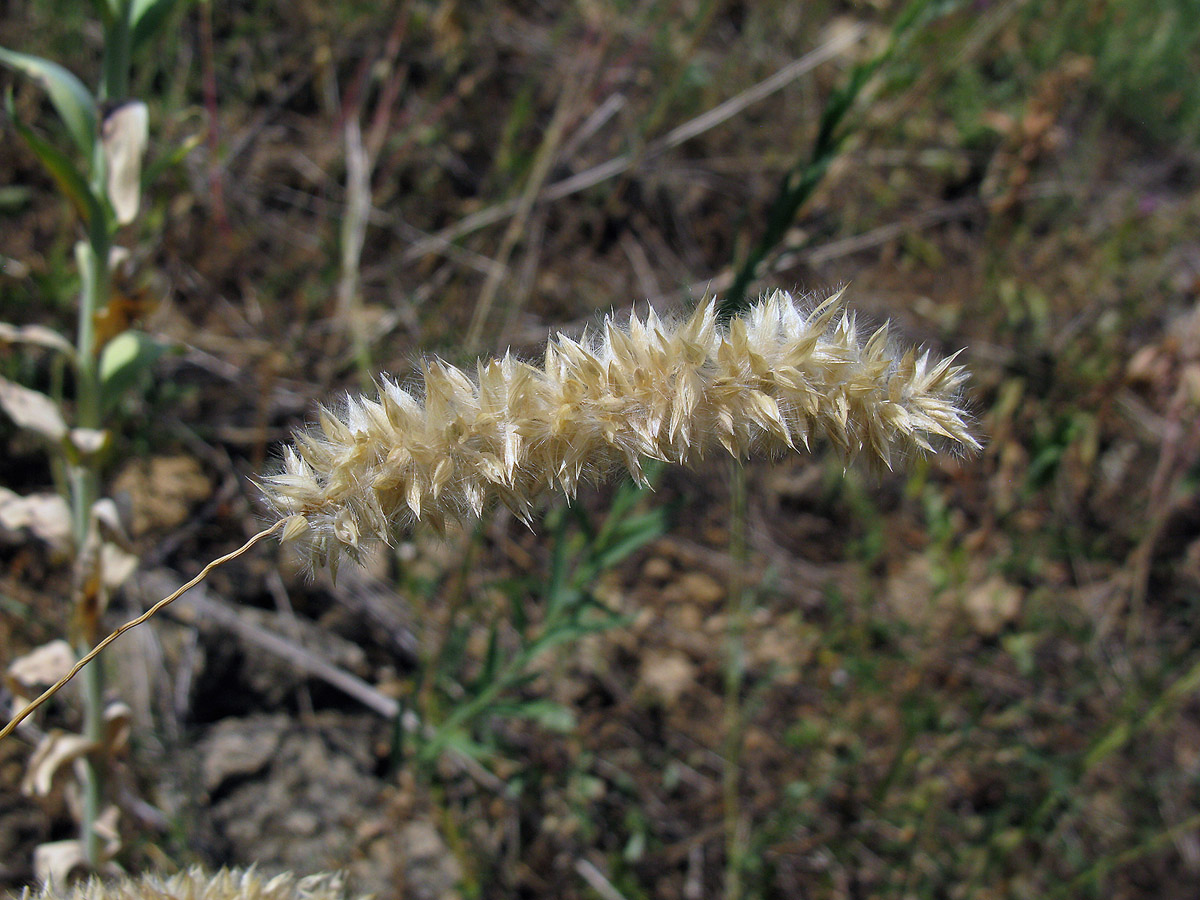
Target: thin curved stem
{"type": "Point", "coordinates": [133, 623]}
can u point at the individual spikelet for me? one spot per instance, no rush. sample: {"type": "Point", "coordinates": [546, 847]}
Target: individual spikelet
{"type": "Point", "coordinates": [775, 379]}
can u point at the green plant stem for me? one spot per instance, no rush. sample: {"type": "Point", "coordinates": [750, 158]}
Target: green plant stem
{"type": "Point", "coordinates": [95, 272]}
{"type": "Point", "coordinates": [85, 489]}
{"type": "Point", "coordinates": [93, 261]}
{"type": "Point", "coordinates": [93, 767]}
{"type": "Point", "coordinates": [84, 492]}
{"type": "Point", "coordinates": [735, 665]}
{"type": "Point", "coordinates": [118, 41]}
{"type": "Point", "coordinates": [359, 166]}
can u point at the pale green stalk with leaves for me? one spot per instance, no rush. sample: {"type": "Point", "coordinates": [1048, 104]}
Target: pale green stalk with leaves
{"type": "Point", "coordinates": [99, 170]}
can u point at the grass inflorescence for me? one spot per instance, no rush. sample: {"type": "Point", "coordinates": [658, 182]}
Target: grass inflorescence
{"type": "Point", "coordinates": [776, 379]}
{"type": "Point", "coordinates": [195, 884]}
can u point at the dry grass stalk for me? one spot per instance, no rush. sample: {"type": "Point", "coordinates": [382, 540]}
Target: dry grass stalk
{"type": "Point", "coordinates": [774, 380]}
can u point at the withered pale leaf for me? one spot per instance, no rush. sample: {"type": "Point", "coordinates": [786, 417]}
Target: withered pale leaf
{"type": "Point", "coordinates": [117, 719]}
{"type": "Point", "coordinates": [105, 512]}
{"type": "Point", "coordinates": [40, 668]}
{"type": "Point", "coordinates": [107, 827]}
{"type": "Point", "coordinates": [56, 749]}
{"type": "Point", "coordinates": [124, 134]}
{"type": "Point", "coordinates": [46, 515]}
{"type": "Point", "coordinates": [57, 861]}
{"type": "Point", "coordinates": [116, 565]}
{"type": "Point", "coordinates": [89, 441]}
{"type": "Point", "coordinates": [33, 410]}
{"type": "Point", "coordinates": [39, 335]}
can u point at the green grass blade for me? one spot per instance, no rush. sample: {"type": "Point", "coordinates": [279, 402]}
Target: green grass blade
{"type": "Point", "coordinates": [148, 19]}
{"type": "Point", "coordinates": [72, 101]}
{"type": "Point", "coordinates": [70, 181]}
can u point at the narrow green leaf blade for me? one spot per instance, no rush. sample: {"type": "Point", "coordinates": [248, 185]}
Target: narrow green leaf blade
{"type": "Point", "coordinates": [550, 715]}
{"type": "Point", "coordinates": [491, 661]}
{"type": "Point", "coordinates": [456, 740]}
{"type": "Point", "coordinates": [71, 99]}
{"type": "Point", "coordinates": [69, 179]}
{"type": "Point", "coordinates": [148, 19]}
{"type": "Point", "coordinates": [633, 534]}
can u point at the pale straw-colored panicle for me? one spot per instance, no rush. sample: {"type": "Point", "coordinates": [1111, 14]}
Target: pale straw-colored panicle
{"type": "Point", "coordinates": [776, 378]}
{"type": "Point", "coordinates": [196, 884]}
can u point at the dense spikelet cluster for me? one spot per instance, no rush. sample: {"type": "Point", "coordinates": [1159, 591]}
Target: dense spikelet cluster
{"type": "Point", "coordinates": [775, 379]}
{"type": "Point", "coordinates": [195, 884]}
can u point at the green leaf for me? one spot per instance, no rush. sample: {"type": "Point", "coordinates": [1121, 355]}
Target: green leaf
{"type": "Point", "coordinates": [69, 179]}
{"type": "Point", "coordinates": [491, 661]}
{"type": "Point", "coordinates": [125, 359]}
{"type": "Point", "coordinates": [514, 682]}
{"type": "Point", "coordinates": [629, 494]}
{"type": "Point", "coordinates": [576, 630]}
{"type": "Point", "coordinates": [563, 597]}
{"type": "Point", "coordinates": [149, 17]}
{"type": "Point", "coordinates": [489, 672]}
{"type": "Point", "coordinates": [632, 535]}
{"type": "Point", "coordinates": [454, 739]}
{"type": "Point", "coordinates": [71, 99]}
{"type": "Point", "coordinates": [550, 715]}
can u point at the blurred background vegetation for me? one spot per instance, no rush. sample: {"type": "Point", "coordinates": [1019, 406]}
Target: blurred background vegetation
{"type": "Point", "coordinates": [974, 678]}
